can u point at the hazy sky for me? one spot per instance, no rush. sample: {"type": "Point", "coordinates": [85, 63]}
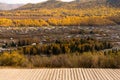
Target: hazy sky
{"type": "Point", "coordinates": [25, 1]}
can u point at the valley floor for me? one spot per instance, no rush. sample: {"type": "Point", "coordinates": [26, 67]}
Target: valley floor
{"type": "Point", "coordinates": [60, 74]}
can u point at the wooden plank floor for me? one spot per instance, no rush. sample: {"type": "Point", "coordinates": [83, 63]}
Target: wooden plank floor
{"type": "Point", "coordinates": [60, 74]}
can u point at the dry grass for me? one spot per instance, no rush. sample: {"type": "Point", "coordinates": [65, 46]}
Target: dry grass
{"type": "Point", "coordinates": [74, 60]}
{"type": "Point", "coordinates": [85, 60]}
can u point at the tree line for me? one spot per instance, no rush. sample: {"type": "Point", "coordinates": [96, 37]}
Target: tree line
{"type": "Point", "coordinates": [67, 46]}
{"type": "Point", "coordinates": [65, 21]}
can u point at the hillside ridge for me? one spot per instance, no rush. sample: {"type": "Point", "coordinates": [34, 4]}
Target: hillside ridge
{"type": "Point", "coordinates": [71, 5]}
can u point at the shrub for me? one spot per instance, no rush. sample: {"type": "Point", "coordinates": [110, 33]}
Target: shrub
{"type": "Point", "coordinates": [13, 59]}
{"type": "Point", "coordinates": [85, 60]}
{"type": "Point", "coordinates": [76, 60]}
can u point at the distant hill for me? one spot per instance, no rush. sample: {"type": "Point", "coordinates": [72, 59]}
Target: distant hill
{"type": "Point", "coordinates": [4, 6]}
{"type": "Point", "coordinates": [71, 5]}
{"type": "Point", "coordinates": [48, 4]}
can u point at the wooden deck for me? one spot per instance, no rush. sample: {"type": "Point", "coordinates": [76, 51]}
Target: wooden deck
{"type": "Point", "coordinates": [60, 74]}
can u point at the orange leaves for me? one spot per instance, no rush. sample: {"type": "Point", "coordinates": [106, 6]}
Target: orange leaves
{"type": "Point", "coordinates": [80, 21]}
{"type": "Point", "coordinates": [30, 23]}
{"type": "Point", "coordinates": [64, 21]}
{"type": "Point", "coordinates": [5, 22]}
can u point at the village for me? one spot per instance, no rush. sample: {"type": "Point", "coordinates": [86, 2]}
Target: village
{"type": "Point", "coordinates": [47, 35]}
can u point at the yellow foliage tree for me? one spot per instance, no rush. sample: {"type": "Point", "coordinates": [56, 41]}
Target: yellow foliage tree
{"type": "Point", "coordinates": [5, 22]}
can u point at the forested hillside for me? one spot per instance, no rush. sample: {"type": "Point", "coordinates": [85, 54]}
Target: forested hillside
{"type": "Point", "coordinates": [65, 5]}
{"type": "Point", "coordinates": [35, 36]}
{"type": "Point", "coordinates": [71, 5]}
{"type": "Point", "coordinates": [57, 13]}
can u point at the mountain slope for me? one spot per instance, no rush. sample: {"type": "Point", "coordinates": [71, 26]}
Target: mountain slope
{"type": "Point", "coordinates": [71, 5]}
{"type": "Point", "coordinates": [4, 6]}
{"type": "Point", "coordinates": [48, 4]}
